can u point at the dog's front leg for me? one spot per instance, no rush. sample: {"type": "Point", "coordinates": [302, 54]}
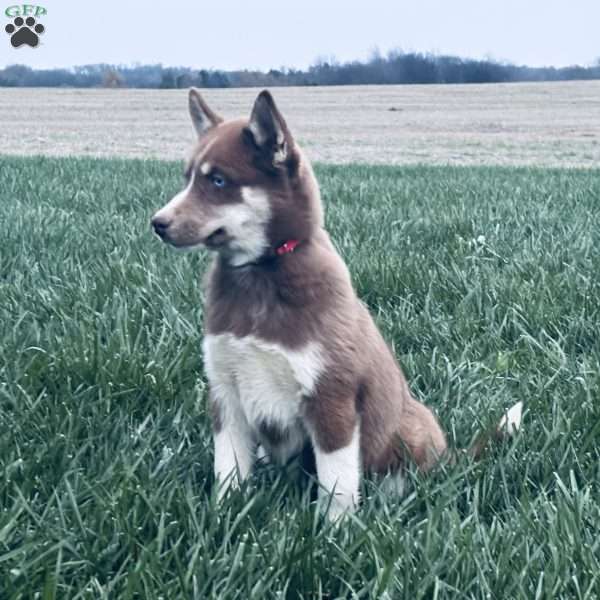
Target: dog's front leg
{"type": "Point", "coordinates": [234, 451]}
{"type": "Point", "coordinates": [337, 455]}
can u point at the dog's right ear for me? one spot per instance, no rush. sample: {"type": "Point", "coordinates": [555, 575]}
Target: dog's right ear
{"type": "Point", "coordinates": [203, 117]}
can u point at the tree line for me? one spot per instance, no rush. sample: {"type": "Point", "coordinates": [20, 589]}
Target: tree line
{"type": "Point", "coordinates": [396, 67]}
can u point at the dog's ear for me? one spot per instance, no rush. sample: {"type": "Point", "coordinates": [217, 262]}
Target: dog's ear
{"type": "Point", "coordinates": [269, 131]}
{"type": "Point", "coordinates": [203, 117]}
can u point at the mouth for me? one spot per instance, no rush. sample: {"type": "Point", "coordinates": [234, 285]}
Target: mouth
{"type": "Point", "coordinates": [216, 239]}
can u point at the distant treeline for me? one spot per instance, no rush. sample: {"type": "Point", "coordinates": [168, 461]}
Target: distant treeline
{"type": "Point", "coordinates": [395, 68]}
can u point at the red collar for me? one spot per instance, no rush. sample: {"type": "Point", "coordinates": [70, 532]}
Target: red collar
{"type": "Point", "coordinates": [286, 247]}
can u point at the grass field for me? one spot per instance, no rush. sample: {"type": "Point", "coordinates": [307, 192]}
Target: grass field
{"type": "Point", "coordinates": [485, 280]}
{"type": "Point", "coordinates": [551, 124]}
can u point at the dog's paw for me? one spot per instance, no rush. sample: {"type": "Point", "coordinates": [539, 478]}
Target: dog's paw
{"type": "Point", "coordinates": [262, 455]}
{"type": "Point", "coordinates": [225, 485]}
{"type": "Point", "coordinates": [336, 506]}
{"type": "Point", "coordinates": [24, 32]}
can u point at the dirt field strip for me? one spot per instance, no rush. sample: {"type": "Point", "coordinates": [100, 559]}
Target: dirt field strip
{"type": "Point", "coordinates": [547, 124]}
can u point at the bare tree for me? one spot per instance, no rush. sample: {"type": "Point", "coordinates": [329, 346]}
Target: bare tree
{"type": "Point", "coordinates": [112, 79]}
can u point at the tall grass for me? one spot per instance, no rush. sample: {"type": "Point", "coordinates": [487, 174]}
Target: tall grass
{"type": "Point", "coordinates": [484, 280]}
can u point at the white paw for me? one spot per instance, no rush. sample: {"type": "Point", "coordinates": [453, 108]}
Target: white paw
{"type": "Point", "coordinates": [262, 455]}
{"type": "Point", "coordinates": [337, 505]}
{"type": "Point", "coordinates": [226, 484]}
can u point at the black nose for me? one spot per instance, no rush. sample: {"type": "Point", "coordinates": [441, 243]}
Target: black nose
{"type": "Point", "coordinates": [160, 225]}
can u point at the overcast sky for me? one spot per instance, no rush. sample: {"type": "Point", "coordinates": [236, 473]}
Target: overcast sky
{"type": "Point", "coordinates": [232, 34]}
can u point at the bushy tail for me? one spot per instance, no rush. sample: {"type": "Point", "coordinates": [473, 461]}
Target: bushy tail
{"type": "Point", "coordinates": [508, 426]}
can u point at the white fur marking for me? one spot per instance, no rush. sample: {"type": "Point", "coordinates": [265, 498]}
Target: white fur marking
{"type": "Point", "coordinates": [339, 472]}
{"type": "Point", "coordinates": [511, 421]}
{"type": "Point", "coordinates": [262, 382]}
{"type": "Point", "coordinates": [247, 224]}
{"type": "Point", "coordinates": [256, 132]}
{"type": "Point", "coordinates": [280, 155]}
{"type": "Point", "coordinates": [167, 212]}
{"type": "Point", "coordinates": [247, 227]}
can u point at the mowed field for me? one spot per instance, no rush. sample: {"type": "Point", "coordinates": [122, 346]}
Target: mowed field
{"type": "Point", "coordinates": [542, 124]}
{"type": "Point", "coordinates": [484, 280]}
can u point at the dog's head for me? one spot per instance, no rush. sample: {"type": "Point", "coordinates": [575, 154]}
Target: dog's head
{"type": "Point", "coordinates": [249, 188]}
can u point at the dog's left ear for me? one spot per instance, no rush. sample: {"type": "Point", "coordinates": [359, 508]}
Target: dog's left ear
{"type": "Point", "coordinates": [269, 131]}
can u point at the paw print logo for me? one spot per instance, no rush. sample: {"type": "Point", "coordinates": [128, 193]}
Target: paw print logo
{"type": "Point", "coordinates": [24, 32]}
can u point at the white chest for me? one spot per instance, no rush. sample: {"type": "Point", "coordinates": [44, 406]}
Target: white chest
{"type": "Point", "coordinates": [264, 380]}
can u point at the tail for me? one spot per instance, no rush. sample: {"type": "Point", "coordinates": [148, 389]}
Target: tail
{"type": "Point", "coordinates": [508, 426]}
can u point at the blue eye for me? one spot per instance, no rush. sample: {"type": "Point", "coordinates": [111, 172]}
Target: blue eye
{"type": "Point", "coordinates": [217, 180]}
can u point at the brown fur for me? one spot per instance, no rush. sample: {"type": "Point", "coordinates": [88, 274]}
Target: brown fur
{"type": "Point", "coordinates": [301, 297]}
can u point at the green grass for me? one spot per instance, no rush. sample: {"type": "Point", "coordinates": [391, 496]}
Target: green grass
{"type": "Point", "coordinates": [486, 281]}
